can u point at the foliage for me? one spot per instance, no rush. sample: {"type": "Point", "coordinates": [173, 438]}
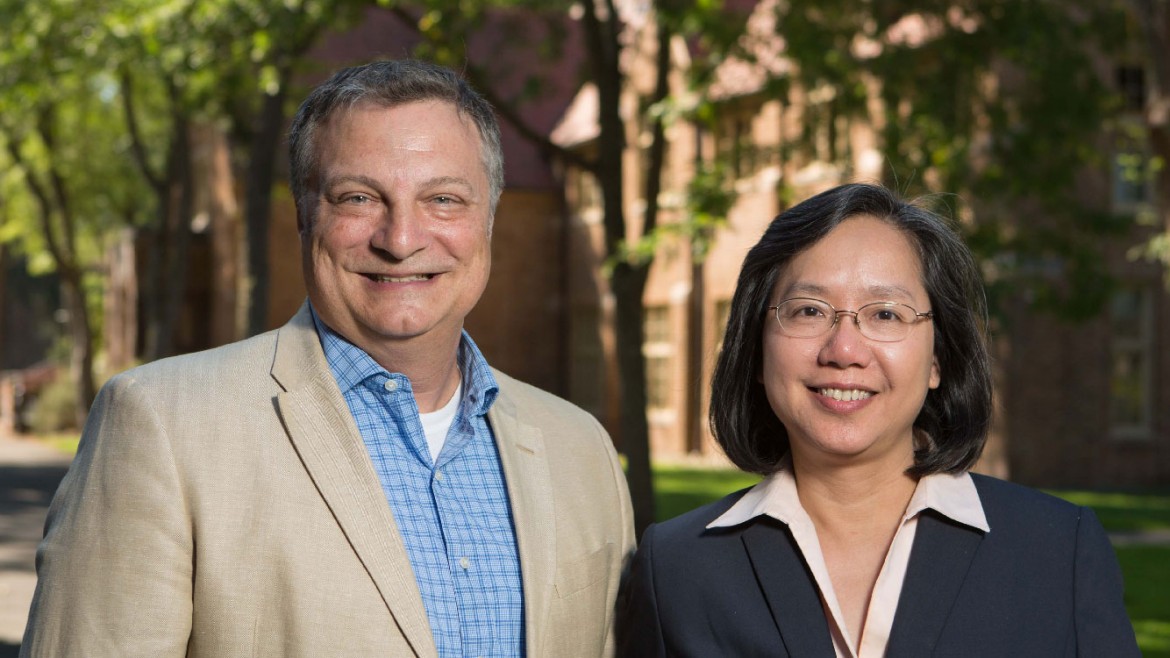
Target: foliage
{"type": "Point", "coordinates": [53, 409]}
{"type": "Point", "coordinates": [999, 103]}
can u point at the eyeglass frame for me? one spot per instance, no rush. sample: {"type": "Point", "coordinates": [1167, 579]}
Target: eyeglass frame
{"type": "Point", "coordinates": [919, 316]}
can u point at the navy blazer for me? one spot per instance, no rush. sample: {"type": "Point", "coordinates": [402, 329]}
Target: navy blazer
{"type": "Point", "coordinates": [1043, 582]}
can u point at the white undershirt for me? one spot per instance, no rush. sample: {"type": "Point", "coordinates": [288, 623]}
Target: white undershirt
{"type": "Point", "coordinates": [436, 423]}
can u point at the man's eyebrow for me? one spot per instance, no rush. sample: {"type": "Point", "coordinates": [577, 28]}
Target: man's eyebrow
{"type": "Point", "coordinates": [439, 181]}
{"type": "Point", "coordinates": [349, 178]}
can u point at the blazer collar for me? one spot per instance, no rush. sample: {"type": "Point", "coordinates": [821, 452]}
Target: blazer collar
{"type": "Point", "coordinates": [939, 562]}
{"type": "Point", "coordinates": [524, 460]}
{"type": "Point", "coordinates": [788, 587]}
{"type": "Point", "coordinates": [323, 433]}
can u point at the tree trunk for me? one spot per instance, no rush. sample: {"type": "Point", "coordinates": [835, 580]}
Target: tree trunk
{"type": "Point", "coordinates": [181, 188]}
{"type": "Point", "coordinates": [3, 302]}
{"type": "Point", "coordinates": [258, 204]}
{"type": "Point", "coordinates": [81, 335]}
{"type": "Point", "coordinates": [692, 397]}
{"type": "Point", "coordinates": [120, 319]}
{"type": "Point", "coordinates": [628, 283]}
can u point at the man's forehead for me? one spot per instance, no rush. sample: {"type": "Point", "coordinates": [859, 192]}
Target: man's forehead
{"type": "Point", "coordinates": [348, 111]}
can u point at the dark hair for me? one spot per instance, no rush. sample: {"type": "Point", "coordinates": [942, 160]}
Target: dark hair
{"type": "Point", "coordinates": [952, 426]}
{"type": "Point", "coordinates": [386, 83]}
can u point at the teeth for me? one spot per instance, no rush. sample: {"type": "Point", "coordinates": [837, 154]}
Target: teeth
{"type": "Point", "coordinates": [845, 395]}
{"type": "Point", "coordinates": [399, 279]}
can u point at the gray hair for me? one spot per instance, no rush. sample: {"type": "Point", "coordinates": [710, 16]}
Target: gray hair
{"type": "Point", "coordinates": [388, 84]}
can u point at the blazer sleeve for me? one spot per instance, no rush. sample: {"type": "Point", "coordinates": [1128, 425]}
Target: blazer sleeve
{"type": "Point", "coordinates": [115, 566]}
{"type": "Point", "coordinates": [639, 630]}
{"type": "Point", "coordinates": [1102, 626]}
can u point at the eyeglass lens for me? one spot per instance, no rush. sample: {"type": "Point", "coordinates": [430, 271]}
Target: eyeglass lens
{"type": "Point", "coordinates": [882, 321]}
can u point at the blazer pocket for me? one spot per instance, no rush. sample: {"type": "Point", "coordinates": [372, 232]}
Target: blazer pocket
{"type": "Point", "coordinates": [580, 573]}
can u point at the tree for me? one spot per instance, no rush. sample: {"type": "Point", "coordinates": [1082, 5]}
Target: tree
{"type": "Point", "coordinates": [156, 52]}
{"type": "Point", "coordinates": [262, 48]}
{"type": "Point", "coordinates": [1152, 18]}
{"type": "Point", "coordinates": [1007, 122]}
{"type": "Point", "coordinates": [603, 31]}
{"type": "Point", "coordinates": [59, 202]}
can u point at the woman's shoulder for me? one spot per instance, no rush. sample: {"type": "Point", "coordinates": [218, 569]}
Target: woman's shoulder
{"type": "Point", "coordinates": [694, 523]}
{"type": "Point", "coordinates": [1015, 505]}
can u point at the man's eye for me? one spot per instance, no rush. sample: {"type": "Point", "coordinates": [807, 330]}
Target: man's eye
{"type": "Point", "coordinates": [444, 200]}
{"type": "Point", "coordinates": [357, 199]}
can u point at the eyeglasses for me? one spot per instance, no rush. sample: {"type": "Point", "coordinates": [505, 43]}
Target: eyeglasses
{"type": "Point", "coordinates": [886, 322]}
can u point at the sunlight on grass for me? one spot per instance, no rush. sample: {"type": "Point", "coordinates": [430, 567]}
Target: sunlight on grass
{"type": "Point", "coordinates": [1124, 511]}
{"type": "Point", "coordinates": [1153, 637]}
{"type": "Point", "coordinates": [679, 489]}
{"type": "Point", "coordinates": [66, 442]}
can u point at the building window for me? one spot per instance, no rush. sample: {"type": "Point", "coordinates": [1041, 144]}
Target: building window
{"type": "Point", "coordinates": [735, 142]}
{"type": "Point", "coordinates": [1131, 354]}
{"type": "Point", "coordinates": [659, 352]}
{"type": "Point", "coordinates": [1132, 174]}
{"type": "Point", "coordinates": [1131, 84]}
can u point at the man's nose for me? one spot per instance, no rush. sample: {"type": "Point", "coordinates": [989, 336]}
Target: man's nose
{"type": "Point", "coordinates": [401, 232]}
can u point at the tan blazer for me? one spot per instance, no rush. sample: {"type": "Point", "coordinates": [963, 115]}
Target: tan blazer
{"type": "Point", "coordinates": [222, 504]}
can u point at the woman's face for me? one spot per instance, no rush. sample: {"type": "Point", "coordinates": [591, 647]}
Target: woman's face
{"type": "Point", "coordinates": [844, 398]}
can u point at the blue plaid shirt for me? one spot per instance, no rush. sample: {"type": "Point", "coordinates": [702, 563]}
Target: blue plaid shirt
{"type": "Point", "coordinates": [453, 515]}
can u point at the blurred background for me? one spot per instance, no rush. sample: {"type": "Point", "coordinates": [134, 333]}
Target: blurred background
{"type": "Point", "coordinates": [144, 209]}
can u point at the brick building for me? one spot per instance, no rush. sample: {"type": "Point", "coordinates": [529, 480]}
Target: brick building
{"type": "Point", "coordinates": [1079, 403]}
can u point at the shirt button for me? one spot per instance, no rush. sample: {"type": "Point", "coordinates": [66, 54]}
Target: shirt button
{"type": "Point", "coordinates": [390, 385]}
{"type": "Point", "coordinates": [465, 563]}
{"type": "Point", "coordinates": [439, 475]}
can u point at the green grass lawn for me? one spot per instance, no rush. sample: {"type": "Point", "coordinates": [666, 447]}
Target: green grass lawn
{"type": "Point", "coordinates": [1146, 568]}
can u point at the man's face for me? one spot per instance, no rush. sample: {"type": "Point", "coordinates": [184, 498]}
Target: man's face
{"type": "Point", "coordinates": [399, 249]}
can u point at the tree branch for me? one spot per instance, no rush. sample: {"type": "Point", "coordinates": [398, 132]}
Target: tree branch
{"type": "Point", "coordinates": [137, 146]}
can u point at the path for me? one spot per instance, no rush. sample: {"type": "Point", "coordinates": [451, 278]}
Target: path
{"type": "Point", "coordinates": [29, 474]}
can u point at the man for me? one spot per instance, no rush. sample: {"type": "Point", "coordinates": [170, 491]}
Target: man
{"type": "Point", "coordinates": [358, 482]}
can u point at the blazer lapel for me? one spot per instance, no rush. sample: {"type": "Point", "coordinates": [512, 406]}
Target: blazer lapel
{"type": "Point", "coordinates": [522, 456]}
{"type": "Point", "coordinates": [939, 562]}
{"type": "Point", "coordinates": [323, 432]}
{"type": "Point", "coordinates": [788, 587]}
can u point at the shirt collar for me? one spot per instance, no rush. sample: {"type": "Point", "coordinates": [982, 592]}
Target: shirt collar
{"type": "Point", "coordinates": [351, 366]}
{"type": "Point", "coordinates": [953, 496]}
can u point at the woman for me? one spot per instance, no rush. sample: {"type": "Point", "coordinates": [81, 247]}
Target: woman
{"type": "Point", "coordinates": [855, 376]}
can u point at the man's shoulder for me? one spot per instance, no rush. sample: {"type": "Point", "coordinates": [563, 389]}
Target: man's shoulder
{"type": "Point", "coordinates": [253, 354]}
{"type": "Point", "coordinates": [533, 403]}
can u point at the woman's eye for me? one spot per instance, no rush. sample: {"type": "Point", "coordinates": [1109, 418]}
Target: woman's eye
{"type": "Point", "coordinates": [808, 312]}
